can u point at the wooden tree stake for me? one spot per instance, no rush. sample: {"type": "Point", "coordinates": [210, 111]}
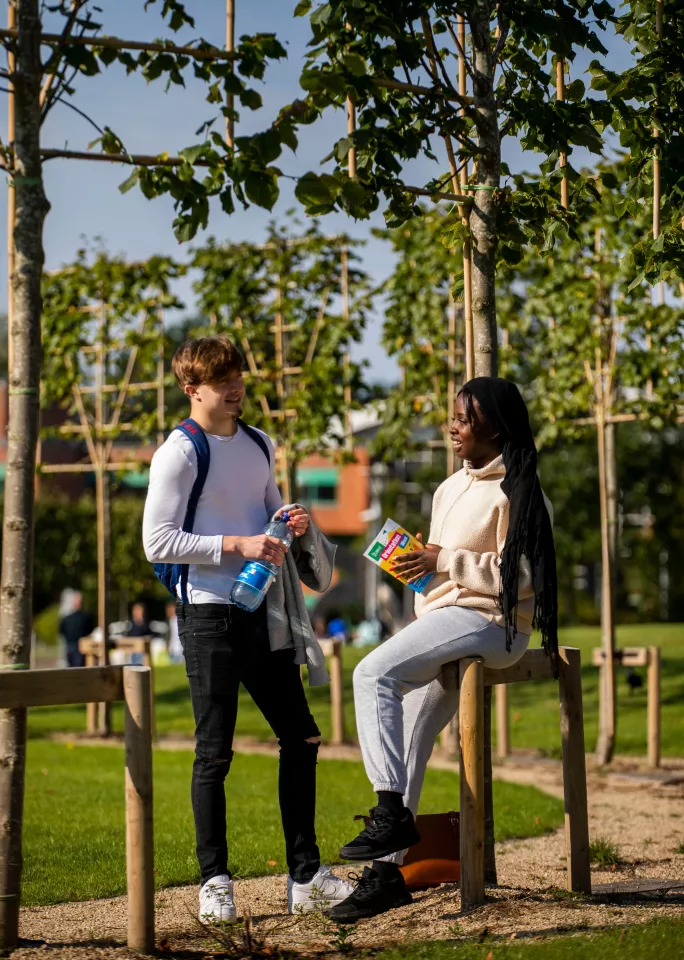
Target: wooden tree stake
{"type": "Point", "coordinates": [467, 247]}
{"type": "Point", "coordinates": [654, 706]}
{"type": "Point", "coordinates": [563, 160]}
{"type": "Point", "coordinates": [230, 48]}
{"type": "Point", "coordinates": [503, 737]}
{"type": "Point", "coordinates": [139, 824]}
{"type": "Point", "coordinates": [574, 770]}
{"type": "Point", "coordinates": [471, 725]}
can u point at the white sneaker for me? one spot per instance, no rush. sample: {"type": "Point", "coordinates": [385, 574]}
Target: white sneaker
{"type": "Point", "coordinates": [216, 900]}
{"type": "Point", "coordinates": [323, 891]}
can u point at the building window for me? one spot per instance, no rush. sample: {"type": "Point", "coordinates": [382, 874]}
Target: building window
{"type": "Point", "coordinates": [318, 485]}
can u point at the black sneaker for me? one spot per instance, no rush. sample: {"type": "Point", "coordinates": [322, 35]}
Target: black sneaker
{"type": "Point", "coordinates": [383, 834]}
{"type": "Point", "coordinates": [373, 895]}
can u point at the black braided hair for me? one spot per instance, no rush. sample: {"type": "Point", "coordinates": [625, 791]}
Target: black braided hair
{"type": "Point", "coordinates": [529, 525]}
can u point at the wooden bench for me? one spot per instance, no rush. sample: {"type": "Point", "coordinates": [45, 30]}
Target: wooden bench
{"type": "Point", "coordinates": [648, 657]}
{"type": "Point", "coordinates": [33, 688]}
{"type": "Point", "coordinates": [333, 651]}
{"type": "Point", "coordinates": [93, 651]}
{"type": "Point", "coordinates": [472, 678]}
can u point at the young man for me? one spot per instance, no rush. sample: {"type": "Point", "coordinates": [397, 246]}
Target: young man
{"type": "Point", "coordinates": [223, 644]}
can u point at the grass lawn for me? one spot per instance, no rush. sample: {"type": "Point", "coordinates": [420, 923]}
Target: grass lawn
{"type": "Point", "coordinates": [74, 817]}
{"type": "Point", "coordinates": [534, 706]}
{"type": "Point", "coordinates": [652, 941]}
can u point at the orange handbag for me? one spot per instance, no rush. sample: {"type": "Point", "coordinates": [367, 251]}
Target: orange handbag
{"type": "Point", "coordinates": [437, 857]}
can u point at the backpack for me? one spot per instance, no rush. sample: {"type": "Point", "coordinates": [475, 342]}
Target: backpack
{"type": "Point", "coordinates": [171, 574]}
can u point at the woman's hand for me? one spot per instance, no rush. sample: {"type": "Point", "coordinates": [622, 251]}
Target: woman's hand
{"type": "Point", "coordinates": [298, 522]}
{"type": "Point", "coordinates": [412, 566]}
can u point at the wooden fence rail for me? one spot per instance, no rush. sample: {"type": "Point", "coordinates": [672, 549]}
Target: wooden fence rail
{"type": "Point", "coordinates": [35, 688]}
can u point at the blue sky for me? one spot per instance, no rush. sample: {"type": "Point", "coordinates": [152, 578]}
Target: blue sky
{"type": "Point", "coordinates": [87, 204]}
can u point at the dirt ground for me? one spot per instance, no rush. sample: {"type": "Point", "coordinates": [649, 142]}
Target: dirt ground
{"type": "Point", "coordinates": [642, 815]}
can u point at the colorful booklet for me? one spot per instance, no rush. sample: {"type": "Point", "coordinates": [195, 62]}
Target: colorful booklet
{"type": "Point", "coordinates": [390, 543]}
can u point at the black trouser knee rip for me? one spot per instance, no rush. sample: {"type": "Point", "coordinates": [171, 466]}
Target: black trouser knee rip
{"type": "Point", "coordinates": [217, 767]}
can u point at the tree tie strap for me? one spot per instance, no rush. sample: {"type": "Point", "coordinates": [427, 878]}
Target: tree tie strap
{"type": "Point", "coordinates": [15, 666]}
{"type": "Point", "coordinates": [478, 186]}
{"type": "Point", "coordinates": [19, 179]}
{"type": "Point", "coordinates": [23, 392]}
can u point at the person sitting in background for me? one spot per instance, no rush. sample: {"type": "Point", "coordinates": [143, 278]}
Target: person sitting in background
{"type": "Point", "coordinates": [73, 627]}
{"type": "Point", "coordinates": [337, 629]}
{"type": "Point", "coordinates": [140, 625]}
{"type": "Point", "coordinates": [175, 647]}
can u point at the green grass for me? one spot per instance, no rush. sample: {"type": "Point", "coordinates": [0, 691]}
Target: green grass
{"type": "Point", "coordinates": [604, 853]}
{"type": "Point", "coordinates": [534, 706]}
{"type": "Point", "coordinates": [74, 817]}
{"type": "Point", "coordinates": [650, 941]}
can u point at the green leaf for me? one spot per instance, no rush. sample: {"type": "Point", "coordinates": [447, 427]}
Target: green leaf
{"type": "Point", "coordinates": [129, 182]}
{"type": "Point", "coordinates": [355, 64]}
{"type": "Point", "coordinates": [302, 8]}
{"type": "Point", "coordinates": [250, 99]}
{"type": "Point", "coordinates": [312, 189]}
{"type": "Point", "coordinates": [321, 16]}
{"type": "Point", "coordinates": [192, 154]}
{"type": "Point", "coordinates": [262, 189]}
{"type": "Point", "coordinates": [575, 90]}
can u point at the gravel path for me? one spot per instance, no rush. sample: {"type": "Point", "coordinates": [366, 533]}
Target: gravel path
{"type": "Point", "coordinates": [644, 818]}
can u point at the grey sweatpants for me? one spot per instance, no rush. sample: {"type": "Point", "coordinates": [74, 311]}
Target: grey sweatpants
{"type": "Point", "coordinates": [401, 701]}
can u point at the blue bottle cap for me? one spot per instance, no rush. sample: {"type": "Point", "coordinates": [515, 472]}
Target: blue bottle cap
{"type": "Point", "coordinates": [285, 516]}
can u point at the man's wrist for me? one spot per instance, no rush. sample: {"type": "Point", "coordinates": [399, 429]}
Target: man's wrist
{"type": "Point", "coordinates": [232, 545]}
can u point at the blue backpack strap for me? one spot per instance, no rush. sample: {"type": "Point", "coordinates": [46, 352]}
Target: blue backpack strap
{"type": "Point", "coordinates": [197, 437]}
{"type": "Point", "coordinates": [257, 438]}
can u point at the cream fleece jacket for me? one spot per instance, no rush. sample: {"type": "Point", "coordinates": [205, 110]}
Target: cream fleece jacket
{"type": "Point", "coordinates": [470, 522]}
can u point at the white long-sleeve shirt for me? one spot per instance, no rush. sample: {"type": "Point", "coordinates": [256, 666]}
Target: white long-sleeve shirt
{"type": "Point", "coordinates": [239, 496]}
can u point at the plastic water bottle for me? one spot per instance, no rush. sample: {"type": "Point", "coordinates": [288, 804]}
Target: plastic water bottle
{"type": "Point", "coordinates": [256, 576]}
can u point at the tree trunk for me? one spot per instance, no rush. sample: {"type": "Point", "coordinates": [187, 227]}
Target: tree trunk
{"type": "Point", "coordinates": [24, 382]}
{"type": "Point", "coordinates": [483, 215]}
{"type": "Point", "coordinates": [605, 745]}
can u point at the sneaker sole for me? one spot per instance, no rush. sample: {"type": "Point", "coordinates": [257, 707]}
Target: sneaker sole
{"type": "Point", "coordinates": [364, 915]}
{"type": "Point", "coordinates": [310, 907]}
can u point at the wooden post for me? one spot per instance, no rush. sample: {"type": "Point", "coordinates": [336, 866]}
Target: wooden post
{"type": "Point", "coordinates": [451, 381]}
{"type": "Point", "coordinates": [574, 770]}
{"type": "Point", "coordinates": [467, 251]}
{"type": "Point", "coordinates": [654, 706]}
{"type": "Point", "coordinates": [161, 405]}
{"type": "Point", "coordinates": [11, 196]}
{"type": "Point", "coordinates": [351, 127]}
{"type": "Point", "coordinates": [147, 662]}
{"type": "Point", "coordinates": [230, 47]}
{"type": "Point", "coordinates": [560, 95]}
{"type": "Point", "coordinates": [91, 708]}
{"type": "Point", "coordinates": [139, 825]}
{"type": "Point", "coordinates": [103, 510]}
{"type": "Point", "coordinates": [489, 849]}
{"type": "Point", "coordinates": [503, 739]}
{"type": "Point", "coordinates": [344, 289]}
{"type": "Point", "coordinates": [656, 179]}
{"type": "Point", "coordinates": [471, 723]}
{"type": "Point", "coordinates": [337, 693]}
{"type": "Point", "coordinates": [449, 737]}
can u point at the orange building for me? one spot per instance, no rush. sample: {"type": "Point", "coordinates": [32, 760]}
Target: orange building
{"type": "Point", "coordinates": [337, 494]}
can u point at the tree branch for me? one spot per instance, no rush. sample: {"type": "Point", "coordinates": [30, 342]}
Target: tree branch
{"type": "Point", "coordinates": [66, 32]}
{"type": "Point", "coordinates": [60, 99]}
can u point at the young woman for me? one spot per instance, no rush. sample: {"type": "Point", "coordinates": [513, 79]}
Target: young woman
{"type": "Point", "coordinates": [493, 563]}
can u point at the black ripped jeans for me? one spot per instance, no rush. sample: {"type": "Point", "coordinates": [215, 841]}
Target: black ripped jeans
{"type": "Point", "coordinates": [225, 646]}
